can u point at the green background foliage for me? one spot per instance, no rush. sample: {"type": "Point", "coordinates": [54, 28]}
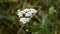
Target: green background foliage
{"type": "Point", "coordinates": [46, 21]}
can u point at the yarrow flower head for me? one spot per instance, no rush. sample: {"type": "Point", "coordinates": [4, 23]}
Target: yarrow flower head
{"type": "Point", "coordinates": [28, 12]}
{"type": "Point", "coordinates": [52, 10]}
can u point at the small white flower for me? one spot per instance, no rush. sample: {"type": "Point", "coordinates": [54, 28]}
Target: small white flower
{"type": "Point", "coordinates": [20, 14]}
{"type": "Point", "coordinates": [18, 10]}
{"type": "Point", "coordinates": [24, 20]}
{"type": "Point", "coordinates": [29, 12]}
{"type": "Point", "coordinates": [26, 10]}
{"type": "Point", "coordinates": [33, 10]}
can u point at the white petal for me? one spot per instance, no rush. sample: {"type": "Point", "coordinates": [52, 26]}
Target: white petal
{"type": "Point", "coordinates": [33, 10]}
{"type": "Point", "coordinates": [18, 10]}
{"type": "Point", "coordinates": [26, 10]}
{"type": "Point", "coordinates": [20, 14]}
{"type": "Point", "coordinates": [28, 14]}
{"type": "Point", "coordinates": [23, 20]}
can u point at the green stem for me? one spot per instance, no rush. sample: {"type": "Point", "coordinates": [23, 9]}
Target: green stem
{"type": "Point", "coordinates": [20, 29]}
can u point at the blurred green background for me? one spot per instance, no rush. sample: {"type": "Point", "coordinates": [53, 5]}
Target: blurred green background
{"type": "Point", "coordinates": [46, 21]}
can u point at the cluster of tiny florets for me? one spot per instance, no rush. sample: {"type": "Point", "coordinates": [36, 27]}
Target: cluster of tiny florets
{"type": "Point", "coordinates": [28, 12]}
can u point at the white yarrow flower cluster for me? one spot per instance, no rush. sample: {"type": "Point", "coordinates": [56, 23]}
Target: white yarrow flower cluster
{"type": "Point", "coordinates": [28, 12]}
{"type": "Point", "coordinates": [24, 20]}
